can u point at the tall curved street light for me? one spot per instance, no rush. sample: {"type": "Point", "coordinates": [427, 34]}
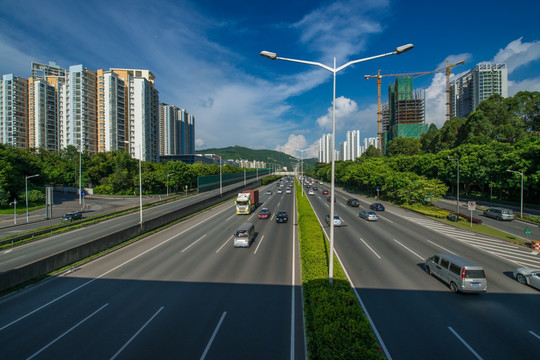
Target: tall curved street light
{"type": "Point", "coordinates": [26, 192]}
{"type": "Point", "coordinates": [334, 70]}
{"type": "Point", "coordinates": [520, 173]}
{"type": "Point", "coordinates": [302, 165]}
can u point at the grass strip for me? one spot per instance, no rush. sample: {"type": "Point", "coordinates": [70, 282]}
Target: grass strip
{"type": "Point", "coordinates": [336, 326]}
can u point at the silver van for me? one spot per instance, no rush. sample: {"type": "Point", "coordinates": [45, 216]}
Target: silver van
{"type": "Point", "coordinates": [500, 213]}
{"type": "Point", "coordinates": [243, 237]}
{"type": "Point", "coordinates": [459, 273]}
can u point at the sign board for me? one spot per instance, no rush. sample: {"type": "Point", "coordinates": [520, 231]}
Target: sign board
{"type": "Point", "coordinates": [472, 205]}
{"type": "Point", "coordinates": [527, 231]}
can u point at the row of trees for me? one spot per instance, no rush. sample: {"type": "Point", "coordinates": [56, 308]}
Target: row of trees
{"type": "Point", "coordinates": [502, 134]}
{"type": "Point", "coordinates": [108, 173]}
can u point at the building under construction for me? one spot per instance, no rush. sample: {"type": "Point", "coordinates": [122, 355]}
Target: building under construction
{"type": "Point", "coordinates": [404, 116]}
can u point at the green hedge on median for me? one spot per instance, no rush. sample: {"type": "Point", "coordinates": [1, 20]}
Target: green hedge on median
{"type": "Point", "coordinates": [336, 326]}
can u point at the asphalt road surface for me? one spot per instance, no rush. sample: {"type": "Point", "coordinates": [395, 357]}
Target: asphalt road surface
{"type": "Point", "coordinates": [183, 293]}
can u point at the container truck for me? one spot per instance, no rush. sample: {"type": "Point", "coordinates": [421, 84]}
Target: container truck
{"type": "Point", "coordinates": [247, 201]}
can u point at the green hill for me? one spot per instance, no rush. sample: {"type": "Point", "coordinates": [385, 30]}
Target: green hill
{"type": "Point", "coordinates": [269, 156]}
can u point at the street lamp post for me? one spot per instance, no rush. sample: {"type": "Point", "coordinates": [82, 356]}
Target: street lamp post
{"type": "Point", "coordinates": [168, 184]}
{"type": "Point", "coordinates": [302, 165]}
{"type": "Point", "coordinates": [14, 203]}
{"type": "Point", "coordinates": [520, 173]}
{"type": "Point", "coordinates": [334, 71]}
{"type": "Point", "coordinates": [140, 182]}
{"type": "Point", "coordinates": [26, 192]}
{"type": "Point", "coordinates": [457, 202]}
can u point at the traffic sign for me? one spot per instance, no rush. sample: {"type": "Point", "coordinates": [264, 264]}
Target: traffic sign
{"type": "Point", "coordinates": [472, 205]}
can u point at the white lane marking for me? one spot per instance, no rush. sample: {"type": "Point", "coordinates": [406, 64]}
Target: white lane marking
{"type": "Point", "coordinates": [109, 271]}
{"type": "Point", "coordinates": [423, 258]}
{"type": "Point", "coordinates": [533, 334]}
{"type": "Point", "coordinates": [385, 219]}
{"type": "Point", "coordinates": [230, 217]}
{"type": "Point", "coordinates": [225, 243]}
{"type": "Point", "coordinates": [68, 331]}
{"type": "Point", "coordinates": [137, 333]}
{"type": "Point", "coordinates": [213, 336]}
{"type": "Point", "coordinates": [196, 241]}
{"type": "Point", "coordinates": [369, 247]}
{"type": "Point", "coordinates": [7, 251]}
{"type": "Point", "coordinates": [445, 249]}
{"type": "Point", "coordinates": [259, 244]}
{"type": "Point", "coordinates": [465, 343]}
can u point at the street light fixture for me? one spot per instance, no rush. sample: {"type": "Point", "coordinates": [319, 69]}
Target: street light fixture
{"type": "Point", "coordinates": [457, 202]}
{"type": "Point", "coordinates": [520, 173]}
{"type": "Point", "coordinates": [140, 182]}
{"type": "Point", "coordinates": [302, 165]}
{"type": "Point", "coordinates": [334, 70]}
{"type": "Point", "coordinates": [26, 192]}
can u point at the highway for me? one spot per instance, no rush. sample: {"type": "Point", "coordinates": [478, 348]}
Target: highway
{"type": "Point", "coordinates": [184, 292]}
{"type": "Point", "coordinates": [415, 314]}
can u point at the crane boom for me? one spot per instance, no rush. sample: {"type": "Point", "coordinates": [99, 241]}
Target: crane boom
{"type": "Point", "coordinates": [447, 68]}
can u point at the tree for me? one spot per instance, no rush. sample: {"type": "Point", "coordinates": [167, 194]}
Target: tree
{"type": "Point", "coordinates": [430, 140]}
{"type": "Point", "coordinates": [404, 146]}
{"type": "Point", "coordinates": [371, 152]}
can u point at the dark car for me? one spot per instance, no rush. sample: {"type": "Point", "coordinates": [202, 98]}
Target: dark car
{"type": "Point", "coordinates": [315, 188]}
{"type": "Point", "coordinates": [282, 217]}
{"type": "Point", "coordinates": [353, 202]}
{"type": "Point", "coordinates": [329, 198]}
{"type": "Point", "coordinates": [70, 216]}
{"type": "Point", "coordinates": [264, 213]}
{"type": "Point", "coordinates": [325, 192]}
{"type": "Point", "coordinates": [377, 206]}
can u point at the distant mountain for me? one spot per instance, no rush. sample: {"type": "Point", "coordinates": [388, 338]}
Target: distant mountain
{"type": "Point", "coordinates": [269, 156]}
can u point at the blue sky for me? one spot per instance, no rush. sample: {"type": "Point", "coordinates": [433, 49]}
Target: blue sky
{"type": "Point", "coordinates": [205, 56]}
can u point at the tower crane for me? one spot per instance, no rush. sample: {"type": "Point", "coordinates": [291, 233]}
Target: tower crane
{"type": "Point", "coordinates": [415, 74]}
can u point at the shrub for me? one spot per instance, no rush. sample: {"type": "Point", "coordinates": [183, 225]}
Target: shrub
{"type": "Point", "coordinates": [467, 217]}
{"type": "Point", "coordinates": [336, 326]}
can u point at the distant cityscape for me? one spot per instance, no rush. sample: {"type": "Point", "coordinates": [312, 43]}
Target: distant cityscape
{"type": "Point", "coordinates": [94, 111]}
{"type": "Point", "coordinates": [119, 109]}
{"type": "Point", "coordinates": [404, 114]}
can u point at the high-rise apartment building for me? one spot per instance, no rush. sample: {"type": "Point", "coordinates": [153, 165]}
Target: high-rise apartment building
{"type": "Point", "coordinates": [14, 111]}
{"type": "Point", "coordinates": [176, 131]}
{"type": "Point", "coordinates": [325, 148]}
{"type": "Point", "coordinates": [475, 86]}
{"type": "Point", "coordinates": [187, 124]}
{"type": "Point", "coordinates": [111, 110]}
{"type": "Point", "coordinates": [77, 113]}
{"type": "Point", "coordinates": [142, 113]}
{"type": "Point", "coordinates": [42, 115]}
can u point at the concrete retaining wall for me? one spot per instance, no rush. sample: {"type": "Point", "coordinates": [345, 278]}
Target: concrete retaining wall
{"type": "Point", "coordinates": [62, 259]}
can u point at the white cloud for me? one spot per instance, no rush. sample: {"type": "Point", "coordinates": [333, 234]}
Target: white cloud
{"type": "Point", "coordinates": [517, 54]}
{"type": "Point", "coordinates": [346, 112]}
{"type": "Point", "coordinates": [340, 29]}
{"type": "Point", "coordinates": [526, 85]}
{"type": "Point", "coordinates": [294, 144]}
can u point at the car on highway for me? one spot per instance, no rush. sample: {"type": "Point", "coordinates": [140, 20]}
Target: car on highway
{"type": "Point", "coordinates": [243, 237]}
{"type": "Point", "coordinates": [329, 198]}
{"type": "Point", "coordinates": [268, 192]}
{"type": "Point", "coordinates": [325, 192]}
{"type": "Point", "coordinates": [315, 188]}
{"type": "Point", "coordinates": [265, 213]}
{"type": "Point", "coordinates": [353, 202]}
{"type": "Point", "coordinates": [377, 207]}
{"type": "Point", "coordinates": [528, 276]}
{"type": "Point", "coordinates": [282, 217]}
{"type": "Point", "coordinates": [70, 216]}
{"type": "Point", "coordinates": [288, 191]}
{"type": "Point", "coordinates": [337, 220]}
{"type": "Point", "coordinates": [280, 191]}
{"type": "Point", "coordinates": [311, 192]}
{"type": "Point", "coordinates": [500, 213]}
{"type": "Point", "coordinates": [459, 273]}
{"type": "Point", "coordinates": [368, 215]}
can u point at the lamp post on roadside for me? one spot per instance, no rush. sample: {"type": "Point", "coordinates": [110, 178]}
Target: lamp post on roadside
{"type": "Point", "coordinates": [168, 184]}
{"type": "Point", "coordinates": [302, 165]}
{"type": "Point", "coordinates": [140, 182]}
{"type": "Point", "coordinates": [334, 70]}
{"type": "Point", "coordinates": [457, 202]}
{"type": "Point", "coordinates": [14, 203]}
{"type": "Point", "coordinates": [520, 173]}
{"type": "Point", "coordinates": [26, 192]}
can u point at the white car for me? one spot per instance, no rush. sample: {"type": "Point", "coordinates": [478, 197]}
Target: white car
{"type": "Point", "coordinates": [337, 220]}
{"type": "Point", "coordinates": [311, 192]}
{"type": "Point", "coordinates": [528, 276]}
